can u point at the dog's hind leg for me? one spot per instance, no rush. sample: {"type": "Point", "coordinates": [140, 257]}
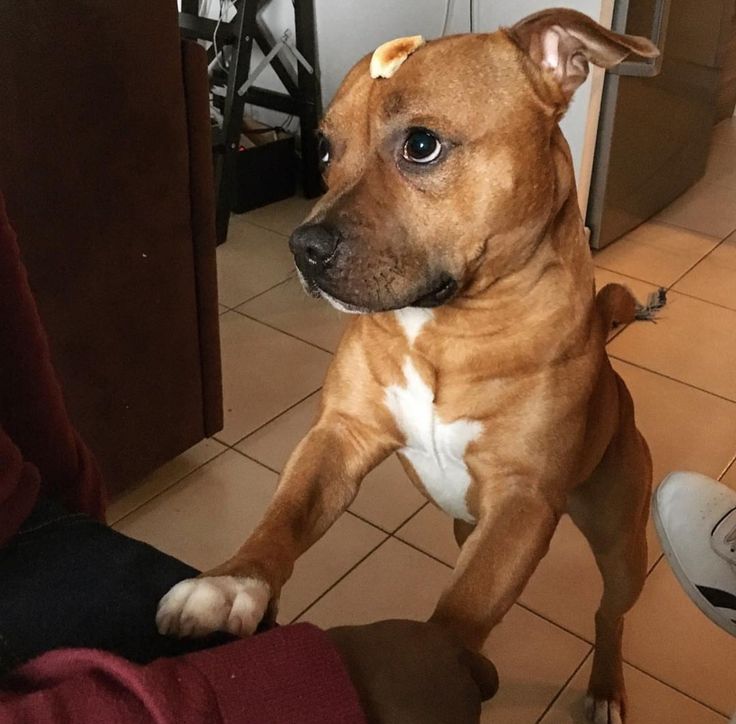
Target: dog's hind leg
{"type": "Point", "coordinates": [611, 510]}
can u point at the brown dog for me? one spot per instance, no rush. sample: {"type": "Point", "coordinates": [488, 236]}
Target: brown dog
{"type": "Point", "coordinates": [452, 218]}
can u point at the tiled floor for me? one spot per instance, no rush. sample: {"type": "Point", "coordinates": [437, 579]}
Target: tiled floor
{"type": "Point", "coordinates": [391, 554]}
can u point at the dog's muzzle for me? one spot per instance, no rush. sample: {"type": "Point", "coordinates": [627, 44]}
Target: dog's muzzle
{"type": "Point", "coordinates": [327, 271]}
{"type": "Point", "coordinates": [314, 247]}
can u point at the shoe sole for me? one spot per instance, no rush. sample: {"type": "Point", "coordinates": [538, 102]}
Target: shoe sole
{"type": "Point", "coordinates": [693, 593]}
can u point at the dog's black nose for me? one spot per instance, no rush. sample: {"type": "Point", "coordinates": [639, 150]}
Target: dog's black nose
{"type": "Point", "coordinates": [314, 245]}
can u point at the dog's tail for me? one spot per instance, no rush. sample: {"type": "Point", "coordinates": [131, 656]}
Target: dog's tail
{"type": "Point", "coordinates": [617, 305]}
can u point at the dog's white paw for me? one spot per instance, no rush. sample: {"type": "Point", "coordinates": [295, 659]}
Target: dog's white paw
{"type": "Point", "coordinates": [200, 606]}
{"type": "Point", "coordinates": [603, 711]}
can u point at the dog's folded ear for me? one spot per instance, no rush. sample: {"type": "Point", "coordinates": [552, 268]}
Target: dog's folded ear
{"type": "Point", "coordinates": [562, 42]}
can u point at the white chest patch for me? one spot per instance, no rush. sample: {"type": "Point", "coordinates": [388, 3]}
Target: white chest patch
{"type": "Point", "coordinates": [436, 449]}
{"type": "Point", "coordinates": [412, 319]}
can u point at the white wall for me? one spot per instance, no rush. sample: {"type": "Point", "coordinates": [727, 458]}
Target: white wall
{"type": "Point", "coordinates": [348, 29]}
{"type": "Point", "coordinates": [493, 13]}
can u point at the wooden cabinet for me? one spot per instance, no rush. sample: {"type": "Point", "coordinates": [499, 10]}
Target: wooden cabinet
{"type": "Point", "coordinates": [106, 166]}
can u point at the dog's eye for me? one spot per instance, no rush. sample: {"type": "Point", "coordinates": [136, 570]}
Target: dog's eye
{"type": "Point", "coordinates": [323, 150]}
{"type": "Point", "coordinates": [421, 146]}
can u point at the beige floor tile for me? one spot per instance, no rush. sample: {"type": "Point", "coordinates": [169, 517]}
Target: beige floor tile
{"type": "Point", "coordinates": [393, 582]}
{"type": "Point", "coordinates": [730, 477]}
{"type": "Point", "coordinates": [640, 289]}
{"type": "Point", "coordinates": [655, 252]}
{"type": "Point", "coordinates": [282, 216]}
{"type": "Point", "coordinates": [163, 478]}
{"type": "Point", "coordinates": [686, 429]}
{"type": "Point", "coordinates": [344, 544]}
{"type": "Point", "coordinates": [693, 341]}
{"type": "Point", "coordinates": [534, 660]}
{"type": "Point", "coordinates": [273, 443]}
{"type": "Point", "coordinates": [668, 637]}
{"type": "Point", "coordinates": [287, 307]}
{"type": "Point", "coordinates": [714, 278]}
{"type": "Point", "coordinates": [264, 372]}
{"type": "Point", "coordinates": [705, 207]}
{"type": "Point", "coordinates": [431, 531]}
{"type": "Point", "coordinates": [251, 261]}
{"type": "Point", "coordinates": [204, 518]}
{"type": "Point", "coordinates": [650, 702]}
{"type": "Point", "coordinates": [721, 168]}
{"type": "Point", "coordinates": [386, 497]}
{"type": "Point", "coordinates": [725, 132]}
{"type": "Point", "coordinates": [566, 587]}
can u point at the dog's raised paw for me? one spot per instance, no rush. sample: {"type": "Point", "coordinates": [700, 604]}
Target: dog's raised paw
{"type": "Point", "coordinates": [199, 606]}
{"type": "Point", "coordinates": [603, 711]}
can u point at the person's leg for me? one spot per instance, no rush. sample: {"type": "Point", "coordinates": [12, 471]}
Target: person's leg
{"type": "Point", "coordinates": [68, 580]}
{"type": "Point", "coordinates": [695, 518]}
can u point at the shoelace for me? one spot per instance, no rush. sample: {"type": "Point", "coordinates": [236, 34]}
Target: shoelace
{"type": "Point", "coordinates": [731, 538]}
{"type": "Point", "coordinates": [723, 537]}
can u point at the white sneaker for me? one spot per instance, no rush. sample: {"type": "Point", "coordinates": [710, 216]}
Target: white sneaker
{"type": "Point", "coordinates": [695, 518]}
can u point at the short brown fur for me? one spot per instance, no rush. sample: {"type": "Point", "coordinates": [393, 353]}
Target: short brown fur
{"type": "Point", "coordinates": [520, 347]}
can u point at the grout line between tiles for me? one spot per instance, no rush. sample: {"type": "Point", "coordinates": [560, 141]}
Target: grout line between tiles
{"type": "Point", "coordinates": [687, 228]}
{"type": "Point", "coordinates": [670, 287]}
{"type": "Point", "coordinates": [690, 229]}
{"type": "Point", "coordinates": [267, 228]}
{"type": "Point", "coordinates": [700, 299]}
{"type": "Point", "coordinates": [662, 222]}
{"type": "Point", "coordinates": [342, 577]}
{"type": "Point", "coordinates": [517, 602]}
{"type": "Point", "coordinates": [727, 468]}
{"type": "Point", "coordinates": [675, 688]}
{"type": "Point", "coordinates": [611, 337]}
{"type": "Point", "coordinates": [348, 511]}
{"type": "Point", "coordinates": [283, 331]}
{"type": "Point", "coordinates": [265, 291]}
{"type": "Point", "coordinates": [623, 327]}
{"type": "Point", "coordinates": [536, 613]}
{"type": "Point", "coordinates": [256, 460]}
{"type": "Point", "coordinates": [413, 515]}
{"type": "Point", "coordinates": [268, 422]}
{"type": "Point", "coordinates": [368, 522]}
{"type": "Point", "coordinates": [565, 685]}
{"type": "Point", "coordinates": [654, 564]}
{"type": "Point", "coordinates": [426, 553]}
{"type": "Point", "coordinates": [168, 487]}
{"type": "Point", "coordinates": [628, 276]}
{"type": "Point", "coordinates": [259, 294]}
{"type": "Point", "coordinates": [705, 256]}
{"type": "Point", "coordinates": [674, 379]}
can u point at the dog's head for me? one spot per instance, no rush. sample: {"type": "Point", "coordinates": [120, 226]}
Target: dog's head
{"type": "Point", "coordinates": [444, 163]}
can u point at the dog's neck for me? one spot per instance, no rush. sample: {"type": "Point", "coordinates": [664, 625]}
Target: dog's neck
{"type": "Point", "coordinates": [557, 275]}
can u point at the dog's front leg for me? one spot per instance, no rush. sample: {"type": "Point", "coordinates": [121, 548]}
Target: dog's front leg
{"type": "Point", "coordinates": [317, 485]}
{"type": "Point", "coordinates": [497, 559]}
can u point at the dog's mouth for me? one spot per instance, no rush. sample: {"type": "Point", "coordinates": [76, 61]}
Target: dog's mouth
{"type": "Point", "coordinates": [442, 291]}
{"type": "Point", "coordinates": [314, 290]}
